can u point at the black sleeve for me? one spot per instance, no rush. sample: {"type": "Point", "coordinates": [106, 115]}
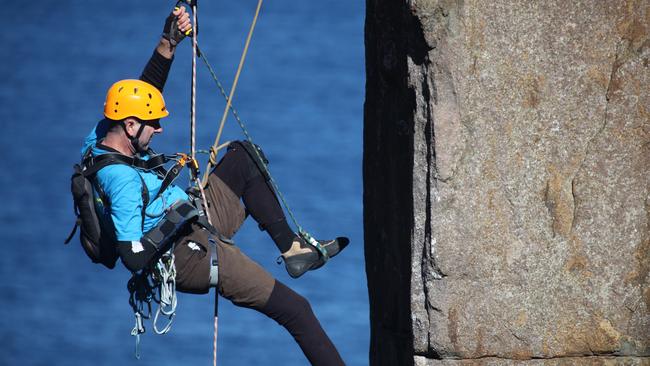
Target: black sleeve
{"type": "Point", "coordinates": [135, 261]}
{"type": "Point", "coordinates": [156, 70]}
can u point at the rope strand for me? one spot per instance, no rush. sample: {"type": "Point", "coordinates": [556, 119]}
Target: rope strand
{"type": "Point", "coordinates": [193, 91]}
{"type": "Point", "coordinates": [232, 90]}
{"type": "Point", "coordinates": [194, 177]}
{"type": "Point", "coordinates": [212, 151]}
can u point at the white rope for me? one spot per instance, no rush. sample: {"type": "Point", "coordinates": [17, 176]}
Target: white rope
{"type": "Point", "coordinates": [193, 97]}
{"type": "Point", "coordinates": [166, 268]}
{"type": "Point", "coordinates": [193, 150]}
{"type": "Point", "coordinates": [216, 328]}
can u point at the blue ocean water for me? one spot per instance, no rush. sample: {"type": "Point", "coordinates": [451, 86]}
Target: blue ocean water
{"type": "Point", "coordinates": [301, 95]}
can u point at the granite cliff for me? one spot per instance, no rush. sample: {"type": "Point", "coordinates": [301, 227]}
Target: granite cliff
{"type": "Point", "coordinates": [507, 181]}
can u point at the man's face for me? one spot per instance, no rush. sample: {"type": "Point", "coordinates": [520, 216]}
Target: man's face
{"type": "Point", "coordinates": [149, 128]}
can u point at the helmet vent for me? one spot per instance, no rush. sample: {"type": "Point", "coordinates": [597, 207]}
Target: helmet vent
{"type": "Point", "coordinates": [150, 97]}
{"type": "Point", "coordinates": [120, 89]}
{"type": "Point", "coordinates": [135, 90]}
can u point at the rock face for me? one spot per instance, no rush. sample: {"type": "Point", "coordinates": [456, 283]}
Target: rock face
{"type": "Point", "coordinates": [507, 181]}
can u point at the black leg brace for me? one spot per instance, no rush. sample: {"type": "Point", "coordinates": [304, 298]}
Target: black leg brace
{"type": "Point", "coordinates": [240, 173]}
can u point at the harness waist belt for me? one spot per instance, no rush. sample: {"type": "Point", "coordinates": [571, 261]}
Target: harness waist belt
{"type": "Point", "coordinates": [162, 235]}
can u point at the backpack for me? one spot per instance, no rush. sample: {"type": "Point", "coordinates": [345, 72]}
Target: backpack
{"type": "Point", "coordinates": [97, 237]}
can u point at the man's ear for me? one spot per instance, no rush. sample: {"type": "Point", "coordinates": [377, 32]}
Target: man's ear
{"type": "Point", "coordinates": [131, 125]}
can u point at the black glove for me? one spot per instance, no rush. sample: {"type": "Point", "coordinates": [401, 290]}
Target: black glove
{"type": "Point", "coordinates": [171, 31]}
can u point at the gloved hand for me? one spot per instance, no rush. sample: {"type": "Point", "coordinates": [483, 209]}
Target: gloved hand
{"type": "Point", "coordinates": [176, 26]}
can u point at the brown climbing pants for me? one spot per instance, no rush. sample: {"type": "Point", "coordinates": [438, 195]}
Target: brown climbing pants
{"type": "Point", "coordinates": [241, 280]}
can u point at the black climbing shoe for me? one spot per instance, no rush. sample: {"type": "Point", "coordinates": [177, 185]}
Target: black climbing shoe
{"type": "Point", "coordinates": [298, 264]}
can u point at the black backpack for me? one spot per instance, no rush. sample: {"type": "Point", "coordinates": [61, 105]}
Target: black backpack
{"type": "Point", "coordinates": [97, 237]}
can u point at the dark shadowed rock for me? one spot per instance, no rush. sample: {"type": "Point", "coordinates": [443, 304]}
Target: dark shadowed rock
{"type": "Point", "coordinates": [507, 181]}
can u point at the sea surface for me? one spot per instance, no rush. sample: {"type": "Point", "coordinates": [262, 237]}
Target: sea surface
{"type": "Point", "coordinates": [301, 97]}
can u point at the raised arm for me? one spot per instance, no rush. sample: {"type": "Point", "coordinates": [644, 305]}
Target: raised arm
{"type": "Point", "coordinates": [157, 69]}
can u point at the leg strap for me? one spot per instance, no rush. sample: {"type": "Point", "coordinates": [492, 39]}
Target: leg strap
{"type": "Point", "coordinates": [214, 263]}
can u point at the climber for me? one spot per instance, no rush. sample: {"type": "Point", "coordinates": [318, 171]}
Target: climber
{"type": "Point", "coordinates": [136, 206]}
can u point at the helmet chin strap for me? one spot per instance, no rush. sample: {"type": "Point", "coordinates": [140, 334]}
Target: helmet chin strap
{"type": "Point", "coordinates": [134, 139]}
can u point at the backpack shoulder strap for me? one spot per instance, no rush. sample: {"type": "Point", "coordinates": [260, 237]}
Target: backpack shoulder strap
{"type": "Point", "coordinates": [145, 199]}
{"type": "Point", "coordinates": [92, 164]}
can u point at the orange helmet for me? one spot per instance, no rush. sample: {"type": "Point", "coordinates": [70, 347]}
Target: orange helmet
{"type": "Point", "coordinates": [134, 98]}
